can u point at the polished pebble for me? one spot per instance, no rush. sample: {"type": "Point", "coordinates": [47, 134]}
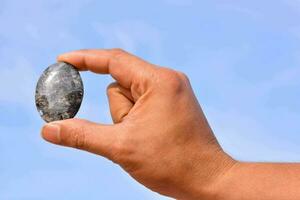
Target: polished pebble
{"type": "Point", "coordinates": [59, 92]}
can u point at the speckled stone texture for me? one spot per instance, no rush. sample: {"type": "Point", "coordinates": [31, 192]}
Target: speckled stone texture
{"type": "Point", "coordinates": [59, 92]}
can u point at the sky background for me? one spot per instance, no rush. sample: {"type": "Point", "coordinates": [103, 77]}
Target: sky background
{"type": "Point", "coordinates": [242, 57]}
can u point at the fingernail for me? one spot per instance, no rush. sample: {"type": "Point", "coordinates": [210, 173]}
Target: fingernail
{"type": "Point", "coordinates": [51, 133]}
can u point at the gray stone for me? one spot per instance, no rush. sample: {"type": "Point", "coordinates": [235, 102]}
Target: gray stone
{"type": "Point", "coordinates": [59, 92]}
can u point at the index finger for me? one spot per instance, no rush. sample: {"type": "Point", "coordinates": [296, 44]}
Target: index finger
{"type": "Point", "coordinates": [122, 66]}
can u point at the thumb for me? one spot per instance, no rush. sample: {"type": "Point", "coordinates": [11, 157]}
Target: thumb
{"type": "Point", "coordinates": [82, 134]}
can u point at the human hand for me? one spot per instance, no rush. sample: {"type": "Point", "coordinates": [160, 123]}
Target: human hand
{"type": "Point", "coordinates": [160, 135]}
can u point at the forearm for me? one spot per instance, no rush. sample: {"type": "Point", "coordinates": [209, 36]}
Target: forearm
{"type": "Point", "coordinates": [260, 181]}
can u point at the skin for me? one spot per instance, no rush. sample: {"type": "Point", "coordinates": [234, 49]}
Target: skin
{"type": "Point", "coordinates": [161, 137]}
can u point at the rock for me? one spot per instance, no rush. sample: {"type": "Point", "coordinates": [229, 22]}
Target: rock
{"type": "Point", "coordinates": [59, 92]}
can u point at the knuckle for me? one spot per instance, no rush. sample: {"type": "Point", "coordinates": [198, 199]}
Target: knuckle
{"type": "Point", "coordinates": [167, 72]}
{"type": "Point", "coordinates": [172, 79]}
{"type": "Point", "coordinates": [183, 77]}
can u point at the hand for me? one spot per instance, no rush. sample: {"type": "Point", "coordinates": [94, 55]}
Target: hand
{"type": "Point", "coordinates": [160, 135]}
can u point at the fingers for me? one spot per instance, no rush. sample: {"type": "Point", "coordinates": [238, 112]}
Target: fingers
{"type": "Point", "coordinates": [124, 67]}
{"type": "Point", "coordinates": [120, 101]}
{"type": "Point", "coordinates": [82, 134]}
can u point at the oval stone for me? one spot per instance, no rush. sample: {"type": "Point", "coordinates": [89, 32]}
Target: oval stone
{"type": "Point", "coordinates": [59, 92]}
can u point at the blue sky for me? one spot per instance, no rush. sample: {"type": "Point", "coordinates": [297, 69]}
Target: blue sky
{"type": "Point", "coordinates": [242, 57]}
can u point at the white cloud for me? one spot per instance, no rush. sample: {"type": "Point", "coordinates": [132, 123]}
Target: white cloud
{"type": "Point", "coordinates": [18, 82]}
{"type": "Point", "coordinates": [132, 35]}
{"type": "Point", "coordinates": [42, 24]}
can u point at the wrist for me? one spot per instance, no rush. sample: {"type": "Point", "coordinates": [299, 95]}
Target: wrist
{"type": "Point", "coordinates": [213, 190]}
{"type": "Point", "coordinates": [207, 182]}
{"type": "Point", "coordinates": [226, 185]}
